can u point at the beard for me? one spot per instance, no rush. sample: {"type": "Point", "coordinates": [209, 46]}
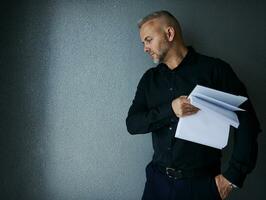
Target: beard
{"type": "Point", "coordinates": [156, 60]}
{"type": "Point", "coordinates": [159, 57]}
{"type": "Point", "coordinates": [163, 49]}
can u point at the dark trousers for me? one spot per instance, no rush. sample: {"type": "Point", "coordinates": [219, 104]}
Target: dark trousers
{"type": "Point", "coordinates": [160, 187]}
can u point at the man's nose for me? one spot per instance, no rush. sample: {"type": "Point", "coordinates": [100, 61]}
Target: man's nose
{"type": "Point", "coordinates": [146, 49]}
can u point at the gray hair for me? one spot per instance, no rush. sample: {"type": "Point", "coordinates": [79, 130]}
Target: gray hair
{"type": "Point", "coordinates": [171, 20]}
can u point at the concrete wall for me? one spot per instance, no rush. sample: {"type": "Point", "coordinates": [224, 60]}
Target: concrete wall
{"type": "Point", "coordinates": [69, 71]}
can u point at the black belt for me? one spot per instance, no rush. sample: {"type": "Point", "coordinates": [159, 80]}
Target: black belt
{"type": "Point", "coordinates": [174, 173]}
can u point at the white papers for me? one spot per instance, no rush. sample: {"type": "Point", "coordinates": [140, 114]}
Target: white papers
{"type": "Point", "coordinates": [210, 125]}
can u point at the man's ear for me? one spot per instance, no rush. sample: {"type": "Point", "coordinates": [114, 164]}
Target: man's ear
{"type": "Point", "coordinates": [170, 33]}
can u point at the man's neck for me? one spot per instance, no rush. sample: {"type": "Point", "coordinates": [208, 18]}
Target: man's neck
{"type": "Point", "coordinates": [175, 57]}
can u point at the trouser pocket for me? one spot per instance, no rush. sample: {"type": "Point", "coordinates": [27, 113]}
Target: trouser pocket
{"type": "Point", "coordinates": [215, 189]}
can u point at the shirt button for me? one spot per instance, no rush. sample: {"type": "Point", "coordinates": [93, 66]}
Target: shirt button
{"type": "Point", "coordinates": [170, 128]}
{"type": "Point", "coordinates": [169, 148]}
{"type": "Point", "coordinates": [172, 120]}
{"type": "Point", "coordinates": [171, 89]}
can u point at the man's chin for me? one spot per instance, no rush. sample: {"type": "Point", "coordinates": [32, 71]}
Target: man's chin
{"type": "Point", "coordinates": [156, 61]}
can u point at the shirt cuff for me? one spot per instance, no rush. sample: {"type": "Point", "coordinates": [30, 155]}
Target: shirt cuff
{"type": "Point", "coordinates": [234, 176]}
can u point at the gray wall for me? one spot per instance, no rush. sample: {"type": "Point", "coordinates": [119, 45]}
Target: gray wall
{"type": "Point", "coordinates": [69, 72]}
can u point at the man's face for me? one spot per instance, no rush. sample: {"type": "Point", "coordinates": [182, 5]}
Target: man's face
{"type": "Point", "coordinates": [154, 40]}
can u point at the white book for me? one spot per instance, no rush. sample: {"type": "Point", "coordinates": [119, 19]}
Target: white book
{"type": "Point", "coordinates": [210, 125]}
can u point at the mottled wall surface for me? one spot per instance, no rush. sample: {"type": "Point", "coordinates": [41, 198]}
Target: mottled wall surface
{"type": "Point", "coordinates": [69, 71]}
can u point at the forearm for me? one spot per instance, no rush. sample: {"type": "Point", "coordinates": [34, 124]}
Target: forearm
{"type": "Point", "coordinates": [140, 121]}
{"type": "Point", "coordinates": [245, 150]}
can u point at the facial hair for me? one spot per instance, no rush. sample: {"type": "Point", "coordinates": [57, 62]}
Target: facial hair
{"type": "Point", "coordinates": [156, 60]}
{"type": "Point", "coordinates": [161, 54]}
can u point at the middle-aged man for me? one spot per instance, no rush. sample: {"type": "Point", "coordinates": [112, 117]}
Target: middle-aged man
{"type": "Point", "coordinates": [181, 169]}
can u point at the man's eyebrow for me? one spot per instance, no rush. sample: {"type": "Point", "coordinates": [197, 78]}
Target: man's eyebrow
{"type": "Point", "coordinates": [146, 38]}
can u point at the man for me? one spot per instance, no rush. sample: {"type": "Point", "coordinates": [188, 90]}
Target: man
{"type": "Point", "coordinates": [181, 169]}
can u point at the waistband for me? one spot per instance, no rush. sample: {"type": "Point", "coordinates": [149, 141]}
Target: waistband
{"type": "Point", "coordinates": [175, 173]}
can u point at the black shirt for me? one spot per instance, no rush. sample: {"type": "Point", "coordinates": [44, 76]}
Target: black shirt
{"type": "Point", "coordinates": [151, 111]}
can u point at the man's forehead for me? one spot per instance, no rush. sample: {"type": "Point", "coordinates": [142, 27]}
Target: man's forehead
{"type": "Point", "coordinates": [153, 23]}
{"type": "Point", "coordinates": [149, 27]}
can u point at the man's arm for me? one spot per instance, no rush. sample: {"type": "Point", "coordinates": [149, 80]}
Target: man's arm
{"type": "Point", "coordinates": [141, 120]}
{"type": "Point", "coordinates": [245, 148]}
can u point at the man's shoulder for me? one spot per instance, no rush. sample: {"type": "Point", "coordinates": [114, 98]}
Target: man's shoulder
{"type": "Point", "coordinates": [213, 63]}
{"type": "Point", "coordinates": [210, 59]}
{"type": "Point", "coordinates": [146, 75]}
{"type": "Point", "coordinates": [151, 71]}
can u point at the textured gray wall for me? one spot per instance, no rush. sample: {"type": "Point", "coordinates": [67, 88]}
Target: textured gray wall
{"type": "Point", "coordinates": [69, 71]}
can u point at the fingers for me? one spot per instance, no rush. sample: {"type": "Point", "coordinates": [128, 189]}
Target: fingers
{"type": "Point", "coordinates": [182, 107]}
{"type": "Point", "coordinates": [223, 186]}
{"type": "Point", "coordinates": [188, 109]}
{"type": "Point", "coordinates": [188, 112]}
{"type": "Point", "coordinates": [184, 99]}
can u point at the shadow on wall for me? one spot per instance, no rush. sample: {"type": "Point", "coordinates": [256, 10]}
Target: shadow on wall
{"type": "Point", "coordinates": [22, 100]}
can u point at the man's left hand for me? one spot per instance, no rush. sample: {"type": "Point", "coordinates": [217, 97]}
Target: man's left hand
{"type": "Point", "coordinates": [223, 185]}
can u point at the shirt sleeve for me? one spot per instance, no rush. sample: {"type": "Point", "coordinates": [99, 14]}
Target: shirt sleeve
{"type": "Point", "coordinates": [245, 148]}
{"type": "Point", "coordinates": [142, 120]}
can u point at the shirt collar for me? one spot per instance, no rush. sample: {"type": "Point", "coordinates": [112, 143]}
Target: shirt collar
{"type": "Point", "coordinates": [188, 59]}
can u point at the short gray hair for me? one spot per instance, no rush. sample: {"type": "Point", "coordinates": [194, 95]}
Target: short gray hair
{"type": "Point", "coordinates": [157, 14]}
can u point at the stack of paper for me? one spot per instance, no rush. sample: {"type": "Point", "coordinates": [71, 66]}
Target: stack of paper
{"type": "Point", "coordinates": [210, 125]}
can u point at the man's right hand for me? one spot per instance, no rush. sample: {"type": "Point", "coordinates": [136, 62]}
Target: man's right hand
{"type": "Point", "coordinates": [182, 107]}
